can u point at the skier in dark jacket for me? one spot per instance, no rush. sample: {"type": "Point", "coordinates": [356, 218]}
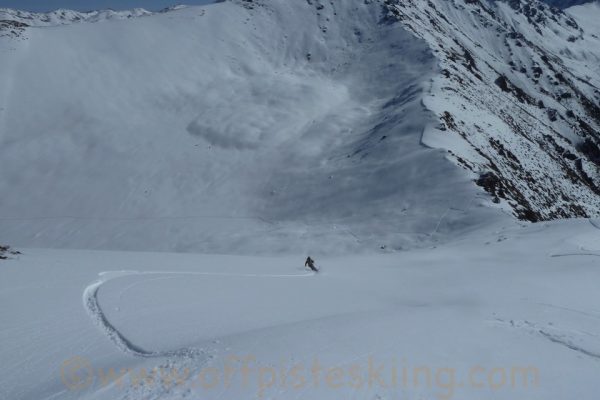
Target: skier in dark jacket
{"type": "Point", "coordinates": [310, 263]}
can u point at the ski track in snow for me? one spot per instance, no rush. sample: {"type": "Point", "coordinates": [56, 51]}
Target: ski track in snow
{"type": "Point", "coordinates": [94, 310]}
{"type": "Point", "coordinates": [559, 340]}
{"type": "Point", "coordinates": [575, 254]}
{"type": "Point", "coordinates": [555, 338]}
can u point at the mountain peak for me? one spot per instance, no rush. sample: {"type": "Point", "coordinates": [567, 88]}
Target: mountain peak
{"type": "Point", "coordinates": [63, 16]}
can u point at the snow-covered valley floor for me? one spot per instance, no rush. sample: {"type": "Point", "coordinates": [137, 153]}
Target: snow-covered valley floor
{"type": "Point", "coordinates": [507, 313]}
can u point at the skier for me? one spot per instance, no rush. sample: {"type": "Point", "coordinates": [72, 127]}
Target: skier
{"type": "Point", "coordinates": [310, 263]}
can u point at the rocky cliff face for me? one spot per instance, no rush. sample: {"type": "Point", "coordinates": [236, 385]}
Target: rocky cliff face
{"type": "Point", "coordinates": [517, 99]}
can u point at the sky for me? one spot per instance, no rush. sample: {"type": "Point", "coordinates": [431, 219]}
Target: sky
{"type": "Point", "coordinates": [86, 5]}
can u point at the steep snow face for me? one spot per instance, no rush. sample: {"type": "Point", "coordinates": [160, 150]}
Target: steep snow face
{"type": "Point", "coordinates": [586, 17]}
{"type": "Point", "coordinates": [237, 127]}
{"type": "Point", "coordinates": [517, 99]}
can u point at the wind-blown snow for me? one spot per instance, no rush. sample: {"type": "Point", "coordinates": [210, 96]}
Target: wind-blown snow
{"type": "Point", "coordinates": [228, 128]}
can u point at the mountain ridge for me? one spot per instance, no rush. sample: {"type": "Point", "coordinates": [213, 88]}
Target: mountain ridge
{"type": "Point", "coordinates": [370, 125]}
{"type": "Point", "coordinates": [66, 16]}
{"type": "Point", "coordinates": [517, 70]}
{"type": "Point", "coordinates": [299, 131]}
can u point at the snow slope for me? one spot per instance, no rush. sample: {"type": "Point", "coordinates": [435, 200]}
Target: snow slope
{"type": "Point", "coordinates": [295, 127]}
{"type": "Point", "coordinates": [236, 127]}
{"type": "Point", "coordinates": [523, 298]}
{"type": "Point", "coordinates": [518, 100]}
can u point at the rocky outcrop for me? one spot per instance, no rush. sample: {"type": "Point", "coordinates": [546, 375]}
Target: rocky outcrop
{"type": "Point", "coordinates": [517, 99]}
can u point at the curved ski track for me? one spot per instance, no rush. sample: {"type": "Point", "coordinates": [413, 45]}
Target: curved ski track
{"type": "Point", "coordinates": [95, 312]}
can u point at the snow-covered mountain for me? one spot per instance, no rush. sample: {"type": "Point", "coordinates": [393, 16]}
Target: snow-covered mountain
{"type": "Point", "coordinates": [13, 22]}
{"type": "Point", "coordinates": [517, 98]}
{"type": "Point", "coordinates": [261, 126]}
{"type": "Point", "coordinates": [64, 17]}
{"type": "Point", "coordinates": [314, 127]}
{"type": "Point", "coordinates": [240, 126]}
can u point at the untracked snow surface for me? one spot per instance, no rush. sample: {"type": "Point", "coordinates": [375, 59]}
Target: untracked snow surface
{"type": "Point", "coordinates": [239, 128]}
{"type": "Point", "coordinates": [518, 318]}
